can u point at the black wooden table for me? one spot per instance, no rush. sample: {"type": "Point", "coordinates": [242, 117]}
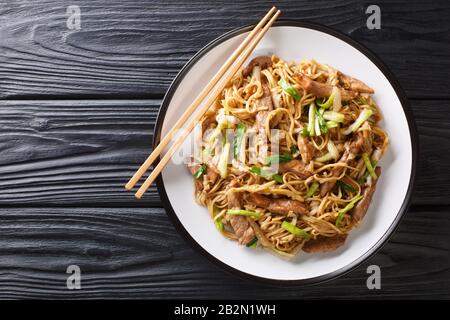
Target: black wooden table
{"type": "Point", "coordinates": [77, 112]}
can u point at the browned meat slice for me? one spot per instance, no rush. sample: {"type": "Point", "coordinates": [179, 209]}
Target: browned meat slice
{"type": "Point", "coordinates": [242, 229]}
{"type": "Point", "coordinates": [193, 167]}
{"type": "Point", "coordinates": [359, 211]}
{"type": "Point", "coordinates": [335, 172]}
{"type": "Point", "coordinates": [234, 198]}
{"type": "Point", "coordinates": [356, 145]}
{"type": "Point", "coordinates": [295, 166]}
{"type": "Point", "coordinates": [354, 84]}
{"type": "Point", "coordinates": [240, 224]}
{"type": "Point", "coordinates": [322, 90]}
{"type": "Point", "coordinates": [265, 102]}
{"type": "Point", "coordinates": [262, 61]}
{"type": "Point", "coordinates": [306, 148]}
{"type": "Point", "coordinates": [281, 206]}
{"type": "Point", "coordinates": [212, 175]}
{"type": "Point", "coordinates": [261, 118]}
{"type": "Point", "coordinates": [363, 142]}
{"type": "Point", "coordinates": [325, 244]}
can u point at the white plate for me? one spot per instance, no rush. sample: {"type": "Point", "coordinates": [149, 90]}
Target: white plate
{"type": "Point", "coordinates": [294, 41]}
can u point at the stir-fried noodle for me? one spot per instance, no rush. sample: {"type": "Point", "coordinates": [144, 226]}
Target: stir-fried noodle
{"type": "Point", "coordinates": [288, 155]}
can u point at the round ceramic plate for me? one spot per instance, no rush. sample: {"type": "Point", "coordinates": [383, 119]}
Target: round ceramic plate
{"type": "Point", "coordinates": [293, 41]}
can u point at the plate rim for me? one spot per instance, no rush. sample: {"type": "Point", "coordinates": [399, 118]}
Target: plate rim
{"type": "Point", "coordinates": [412, 133]}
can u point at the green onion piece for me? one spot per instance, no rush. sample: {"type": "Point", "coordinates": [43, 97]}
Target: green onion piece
{"type": "Point", "coordinates": [208, 151]}
{"type": "Point", "coordinates": [368, 164]}
{"type": "Point", "coordinates": [363, 116]}
{"type": "Point", "coordinates": [240, 131]}
{"type": "Point", "coordinates": [255, 170]}
{"type": "Point", "coordinates": [332, 124]}
{"type": "Point", "coordinates": [197, 174]}
{"type": "Point", "coordinates": [348, 207]}
{"type": "Point", "coordinates": [305, 132]}
{"type": "Point", "coordinates": [294, 149]}
{"type": "Point", "coordinates": [278, 158]}
{"type": "Point", "coordinates": [328, 103]}
{"type": "Point", "coordinates": [333, 116]}
{"type": "Point", "coordinates": [363, 178]}
{"type": "Point", "coordinates": [295, 230]}
{"type": "Point", "coordinates": [252, 243]}
{"type": "Point", "coordinates": [266, 173]}
{"type": "Point", "coordinates": [222, 166]}
{"type": "Point", "coordinates": [312, 189]}
{"type": "Point", "coordinates": [219, 224]}
{"type": "Point", "coordinates": [226, 108]}
{"type": "Point", "coordinates": [290, 90]}
{"type": "Point", "coordinates": [333, 149]}
{"type": "Point", "coordinates": [346, 187]}
{"type": "Point", "coordinates": [326, 157]}
{"type": "Point", "coordinates": [311, 118]}
{"type": "Point", "coordinates": [278, 178]}
{"type": "Point", "coordinates": [322, 124]}
{"type": "Point", "coordinates": [247, 213]}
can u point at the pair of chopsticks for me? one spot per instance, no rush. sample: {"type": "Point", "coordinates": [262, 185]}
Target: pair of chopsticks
{"type": "Point", "coordinates": [223, 77]}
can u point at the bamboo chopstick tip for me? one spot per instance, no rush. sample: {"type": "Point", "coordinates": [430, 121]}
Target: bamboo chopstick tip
{"type": "Point", "coordinates": [128, 186]}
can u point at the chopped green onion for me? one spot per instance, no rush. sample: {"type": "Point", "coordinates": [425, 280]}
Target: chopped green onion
{"type": "Point", "coordinates": [219, 224]}
{"type": "Point", "coordinates": [311, 118]}
{"type": "Point", "coordinates": [305, 132]}
{"type": "Point", "coordinates": [246, 213]}
{"type": "Point", "coordinates": [332, 149]}
{"type": "Point", "coordinates": [326, 157]}
{"type": "Point", "coordinates": [200, 171]}
{"type": "Point", "coordinates": [278, 178]}
{"type": "Point", "coordinates": [289, 89]}
{"type": "Point", "coordinates": [255, 170]}
{"type": "Point", "coordinates": [368, 164]}
{"type": "Point", "coordinates": [208, 151]}
{"type": "Point", "coordinates": [330, 101]}
{"type": "Point", "coordinates": [295, 230]}
{"type": "Point", "coordinates": [312, 189]}
{"type": "Point", "coordinates": [348, 207]}
{"type": "Point", "coordinates": [226, 109]}
{"type": "Point", "coordinates": [322, 124]}
{"type": "Point", "coordinates": [337, 99]}
{"type": "Point", "coordinates": [363, 116]}
{"type": "Point", "coordinates": [278, 158]}
{"type": "Point", "coordinates": [363, 178]}
{"type": "Point", "coordinates": [267, 173]}
{"type": "Point", "coordinates": [222, 166]}
{"type": "Point", "coordinates": [332, 124]}
{"type": "Point", "coordinates": [346, 187]}
{"type": "Point", "coordinates": [294, 149]}
{"type": "Point", "coordinates": [252, 243]}
{"type": "Point", "coordinates": [326, 104]}
{"type": "Point", "coordinates": [240, 131]}
{"type": "Point", "coordinates": [333, 116]}
{"type": "Point", "coordinates": [317, 126]}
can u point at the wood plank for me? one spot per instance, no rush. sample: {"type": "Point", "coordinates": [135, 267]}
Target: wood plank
{"type": "Point", "coordinates": [80, 153]}
{"type": "Point", "coordinates": [136, 253]}
{"type": "Point", "coordinates": [134, 50]}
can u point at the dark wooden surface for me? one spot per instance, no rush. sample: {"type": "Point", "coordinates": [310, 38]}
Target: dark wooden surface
{"type": "Point", "coordinates": [77, 111]}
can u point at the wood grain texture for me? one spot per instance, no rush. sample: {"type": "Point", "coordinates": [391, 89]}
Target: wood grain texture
{"type": "Point", "coordinates": [135, 48]}
{"type": "Point", "coordinates": [136, 253]}
{"type": "Point", "coordinates": [82, 152]}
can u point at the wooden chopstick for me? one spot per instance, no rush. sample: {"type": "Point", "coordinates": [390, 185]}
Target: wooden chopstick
{"type": "Point", "coordinates": [216, 92]}
{"type": "Point", "coordinates": [165, 141]}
